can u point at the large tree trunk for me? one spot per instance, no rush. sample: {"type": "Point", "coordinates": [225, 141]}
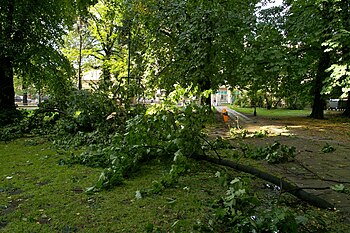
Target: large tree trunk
{"type": "Point", "coordinates": [319, 102]}
{"type": "Point", "coordinates": [205, 85]}
{"type": "Point", "coordinates": [7, 92]}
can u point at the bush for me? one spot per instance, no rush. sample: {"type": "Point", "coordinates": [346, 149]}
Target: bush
{"type": "Point", "coordinates": [9, 117]}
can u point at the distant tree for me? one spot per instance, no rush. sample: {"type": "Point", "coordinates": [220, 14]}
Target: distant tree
{"type": "Point", "coordinates": [309, 26]}
{"type": "Point", "coordinates": [190, 42]}
{"type": "Point", "coordinates": [30, 35]}
{"type": "Point", "coordinates": [339, 45]}
{"type": "Point", "coordinates": [105, 26]}
{"type": "Point", "coordinates": [76, 42]}
{"type": "Point", "coordinates": [263, 66]}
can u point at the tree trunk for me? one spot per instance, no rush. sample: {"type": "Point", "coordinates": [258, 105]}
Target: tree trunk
{"type": "Point", "coordinates": [347, 110]}
{"type": "Point", "coordinates": [80, 55]}
{"type": "Point", "coordinates": [268, 102]}
{"type": "Point", "coordinates": [319, 102]}
{"type": "Point", "coordinates": [25, 94]}
{"type": "Point", "coordinates": [346, 50]}
{"type": "Point", "coordinates": [205, 85]}
{"type": "Point", "coordinates": [7, 92]}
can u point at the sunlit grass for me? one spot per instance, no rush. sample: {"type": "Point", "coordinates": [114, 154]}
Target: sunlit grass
{"type": "Point", "coordinates": [279, 112]}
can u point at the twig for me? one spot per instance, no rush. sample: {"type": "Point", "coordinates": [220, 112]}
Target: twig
{"type": "Point", "coordinates": [303, 188]}
{"type": "Point", "coordinates": [319, 177]}
{"type": "Point", "coordinates": [212, 147]}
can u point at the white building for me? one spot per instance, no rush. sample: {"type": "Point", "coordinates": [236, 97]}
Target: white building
{"type": "Point", "coordinates": [222, 96]}
{"type": "Point", "coordinates": [90, 77]}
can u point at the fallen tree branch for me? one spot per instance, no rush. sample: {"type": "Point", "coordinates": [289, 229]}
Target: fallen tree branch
{"type": "Point", "coordinates": [304, 188]}
{"type": "Point", "coordinates": [290, 188]}
{"type": "Point", "coordinates": [42, 110]}
{"type": "Point", "coordinates": [318, 176]}
{"type": "Point", "coordinates": [211, 146]}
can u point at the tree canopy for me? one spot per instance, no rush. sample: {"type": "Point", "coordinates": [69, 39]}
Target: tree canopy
{"type": "Point", "coordinates": [294, 52]}
{"type": "Point", "coordinates": [30, 39]}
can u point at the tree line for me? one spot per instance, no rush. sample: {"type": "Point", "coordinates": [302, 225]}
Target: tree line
{"type": "Point", "coordinates": [298, 51]}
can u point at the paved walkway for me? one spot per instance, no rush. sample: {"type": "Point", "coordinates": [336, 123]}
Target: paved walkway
{"type": "Point", "coordinates": [234, 114]}
{"type": "Point", "coordinates": [312, 167]}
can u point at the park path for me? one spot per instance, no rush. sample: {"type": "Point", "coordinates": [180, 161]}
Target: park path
{"type": "Point", "coordinates": [233, 114]}
{"type": "Point", "coordinates": [312, 168]}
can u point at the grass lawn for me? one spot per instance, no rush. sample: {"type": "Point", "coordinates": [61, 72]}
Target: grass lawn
{"type": "Point", "coordinates": [279, 112]}
{"type": "Point", "coordinates": [38, 193]}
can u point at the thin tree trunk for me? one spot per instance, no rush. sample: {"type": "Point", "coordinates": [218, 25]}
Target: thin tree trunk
{"type": "Point", "coordinates": [25, 94]}
{"type": "Point", "coordinates": [80, 55]}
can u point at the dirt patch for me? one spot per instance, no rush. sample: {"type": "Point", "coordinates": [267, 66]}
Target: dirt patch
{"type": "Point", "coordinates": [313, 169]}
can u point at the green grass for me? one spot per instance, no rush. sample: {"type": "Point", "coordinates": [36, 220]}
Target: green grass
{"type": "Point", "coordinates": [279, 112]}
{"type": "Point", "coordinates": [37, 194]}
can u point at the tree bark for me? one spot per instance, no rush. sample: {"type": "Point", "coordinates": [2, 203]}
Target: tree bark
{"type": "Point", "coordinates": [25, 94]}
{"type": "Point", "coordinates": [7, 92]}
{"type": "Point", "coordinates": [205, 85]}
{"type": "Point", "coordinates": [268, 102]}
{"type": "Point", "coordinates": [284, 185]}
{"type": "Point", "coordinates": [347, 110]}
{"type": "Point", "coordinates": [318, 101]}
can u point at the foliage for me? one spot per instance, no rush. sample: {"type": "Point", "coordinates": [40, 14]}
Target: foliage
{"type": "Point", "coordinates": [30, 38]}
{"type": "Point", "coordinates": [76, 119]}
{"type": "Point", "coordinates": [131, 136]}
{"type": "Point", "coordinates": [105, 26]}
{"type": "Point", "coordinates": [317, 30]}
{"type": "Point", "coordinates": [261, 133]}
{"type": "Point", "coordinates": [340, 188]}
{"type": "Point", "coordinates": [238, 133]}
{"type": "Point", "coordinates": [275, 153]}
{"type": "Point", "coordinates": [221, 143]}
{"type": "Point", "coordinates": [160, 131]}
{"type": "Point", "coordinates": [244, 133]}
{"type": "Point", "coordinates": [263, 66]}
{"type": "Point", "coordinates": [339, 46]}
{"type": "Point", "coordinates": [188, 42]}
{"type": "Point", "coordinates": [327, 148]}
{"type": "Point", "coordinates": [27, 122]}
{"type": "Point", "coordinates": [242, 211]}
{"type": "Point", "coordinates": [8, 117]}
